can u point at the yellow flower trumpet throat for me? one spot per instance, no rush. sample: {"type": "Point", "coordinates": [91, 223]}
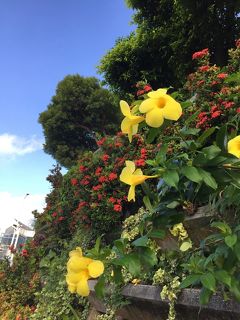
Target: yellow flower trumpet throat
{"type": "Point", "coordinates": [79, 270]}
{"type": "Point", "coordinates": [160, 106]}
{"type": "Point", "coordinates": [132, 176]}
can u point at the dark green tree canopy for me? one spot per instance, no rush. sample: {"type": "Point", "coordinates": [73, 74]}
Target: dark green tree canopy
{"type": "Point", "coordinates": [79, 109]}
{"type": "Point", "coordinates": [167, 34]}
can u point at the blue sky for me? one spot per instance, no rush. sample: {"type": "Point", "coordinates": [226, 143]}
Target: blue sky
{"type": "Point", "coordinates": [42, 42]}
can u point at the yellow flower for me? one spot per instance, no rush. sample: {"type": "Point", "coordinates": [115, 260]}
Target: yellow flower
{"type": "Point", "coordinates": [80, 269]}
{"type": "Point", "coordinates": [132, 177]}
{"type": "Point", "coordinates": [130, 123]}
{"type": "Point", "coordinates": [234, 146]}
{"type": "Point", "coordinates": [136, 281]}
{"type": "Point", "coordinates": [160, 106]}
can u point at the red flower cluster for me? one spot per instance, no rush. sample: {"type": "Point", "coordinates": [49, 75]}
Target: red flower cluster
{"type": "Point", "coordinates": [200, 54]}
{"type": "Point", "coordinates": [24, 253]}
{"type": "Point", "coordinates": [145, 89]}
{"type": "Point", "coordinates": [74, 181]}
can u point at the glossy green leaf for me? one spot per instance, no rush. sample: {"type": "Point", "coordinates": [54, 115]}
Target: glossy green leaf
{"type": "Point", "coordinates": [171, 178]}
{"type": "Point", "coordinates": [205, 296]}
{"type": "Point", "coordinates": [223, 276]}
{"type": "Point", "coordinates": [189, 280]}
{"type": "Point", "coordinates": [230, 240]}
{"type": "Point", "coordinates": [208, 281]}
{"type": "Point", "coordinates": [207, 178]}
{"type": "Point", "coordinates": [222, 138]}
{"type": "Point", "coordinates": [140, 242]}
{"type": "Point", "coordinates": [191, 173]}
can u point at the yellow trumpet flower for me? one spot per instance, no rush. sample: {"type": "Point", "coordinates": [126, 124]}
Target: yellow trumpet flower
{"type": "Point", "coordinates": [133, 177]}
{"type": "Point", "coordinates": [160, 106]}
{"type": "Point", "coordinates": [234, 146]}
{"type": "Point", "coordinates": [80, 269]}
{"type": "Point", "coordinates": [130, 123]}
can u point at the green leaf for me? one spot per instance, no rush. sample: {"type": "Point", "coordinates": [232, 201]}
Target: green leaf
{"type": "Point", "coordinates": [100, 287]}
{"type": "Point", "coordinates": [230, 240]}
{"type": "Point", "coordinates": [189, 131]}
{"type": "Point", "coordinates": [208, 281]}
{"type": "Point", "coordinates": [224, 227]}
{"type": "Point", "coordinates": [171, 178]}
{"type": "Point", "coordinates": [192, 117]}
{"type": "Point", "coordinates": [159, 234]}
{"type": "Point", "coordinates": [147, 257]}
{"type": "Point", "coordinates": [161, 155]}
{"type": "Point", "coordinates": [140, 242]}
{"type": "Point", "coordinates": [147, 203]}
{"type": "Point", "coordinates": [173, 204]}
{"type": "Point", "coordinates": [205, 295]}
{"type": "Point", "coordinates": [237, 250]}
{"type": "Point", "coordinates": [189, 280]}
{"type": "Point", "coordinates": [152, 134]}
{"type": "Point", "coordinates": [235, 288]}
{"type": "Point", "coordinates": [208, 178]}
{"type": "Point", "coordinates": [206, 134]}
{"type": "Point", "coordinates": [223, 276]}
{"type": "Point", "coordinates": [222, 138]}
{"type": "Point", "coordinates": [191, 173]}
{"type": "Point", "coordinates": [211, 152]}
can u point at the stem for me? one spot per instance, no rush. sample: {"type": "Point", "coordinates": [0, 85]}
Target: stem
{"type": "Point", "coordinates": [74, 312]}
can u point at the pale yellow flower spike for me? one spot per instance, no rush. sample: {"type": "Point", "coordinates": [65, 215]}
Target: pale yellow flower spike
{"type": "Point", "coordinates": [130, 123]}
{"type": "Point", "coordinates": [133, 177]}
{"type": "Point", "coordinates": [160, 106]}
{"type": "Point", "coordinates": [234, 146]}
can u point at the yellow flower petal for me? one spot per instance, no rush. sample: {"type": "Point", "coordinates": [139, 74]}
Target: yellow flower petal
{"type": "Point", "coordinates": [147, 105]}
{"type": "Point", "coordinates": [83, 288]}
{"type": "Point", "coordinates": [131, 193]}
{"type": "Point", "coordinates": [126, 175]}
{"type": "Point", "coordinates": [72, 288]}
{"type": "Point", "coordinates": [77, 252]}
{"type": "Point", "coordinates": [234, 146]}
{"type": "Point", "coordinates": [130, 165]}
{"type": "Point", "coordinates": [157, 94]}
{"type": "Point", "coordinates": [126, 125]}
{"type": "Point", "coordinates": [73, 278]}
{"type": "Point", "coordinates": [95, 269]}
{"type": "Point", "coordinates": [125, 108]}
{"type": "Point", "coordinates": [76, 264]}
{"type": "Point", "coordinates": [154, 118]}
{"type": "Point", "coordinates": [172, 109]}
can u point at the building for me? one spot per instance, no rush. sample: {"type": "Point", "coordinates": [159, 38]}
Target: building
{"type": "Point", "coordinates": [14, 236]}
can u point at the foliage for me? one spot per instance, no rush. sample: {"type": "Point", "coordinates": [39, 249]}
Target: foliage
{"type": "Point", "coordinates": [167, 33]}
{"type": "Point", "coordinates": [79, 108]}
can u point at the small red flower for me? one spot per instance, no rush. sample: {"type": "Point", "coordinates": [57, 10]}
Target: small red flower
{"type": "Point", "coordinates": [101, 141]}
{"type": "Point", "coordinates": [204, 68]}
{"type": "Point", "coordinates": [117, 208]}
{"type": "Point", "coordinates": [82, 204]}
{"type": "Point", "coordinates": [238, 110]}
{"type": "Point", "coordinates": [54, 214]}
{"type": "Point", "coordinates": [82, 168]}
{"type": "Point", "coordinates": [24, 253]}
{"type": "Point", "coordinates": [112, 200]}
{"type": "Point", "coordinates": [105, 157]}
{"type": "Point", "coordinates": [74, 181]}
{"type": "Point", "coordinates": [238, 43]}
{"type": "Point", "coordinates": [103, 179]}
{"type": "Point", "coordinates": [216, 114]}
{"type": "Point", "coordinates": [222, 75]}
{"type": "Point", "coordinates": [147, 88]}
{"type": "Point", "coordinates": [140, 92]}
{"type": "Point", "coordinates": [61, 218]}
{"type": "Point", "coordinates": [98, 171]}
{"type": "Point", "coordinates": [140, 163]}
{"type": "Point", "coordinates": [214, 108]}
{"type": "Point", "coordinates": [228, 104]}
{"type": "Point", "coordinates": [96, 188]}
{"type": "Point", "coordinates": [200, 54]}
{"type": "Point", "coordinates": [112, 176]}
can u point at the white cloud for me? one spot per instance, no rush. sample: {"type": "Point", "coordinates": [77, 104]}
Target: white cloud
{"type": "Point", "coordinates": [12, 145]}
{"type": "Point", "coordinates": [19, 207]}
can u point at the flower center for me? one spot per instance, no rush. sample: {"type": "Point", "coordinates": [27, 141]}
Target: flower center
{"type": "Point", "coordinates": [161, 103]}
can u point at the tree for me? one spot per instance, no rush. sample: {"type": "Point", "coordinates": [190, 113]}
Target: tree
{"type": "Point", "coordinates": [79, 109]}
{"type": "Point", "coordinates": [167, 34]}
